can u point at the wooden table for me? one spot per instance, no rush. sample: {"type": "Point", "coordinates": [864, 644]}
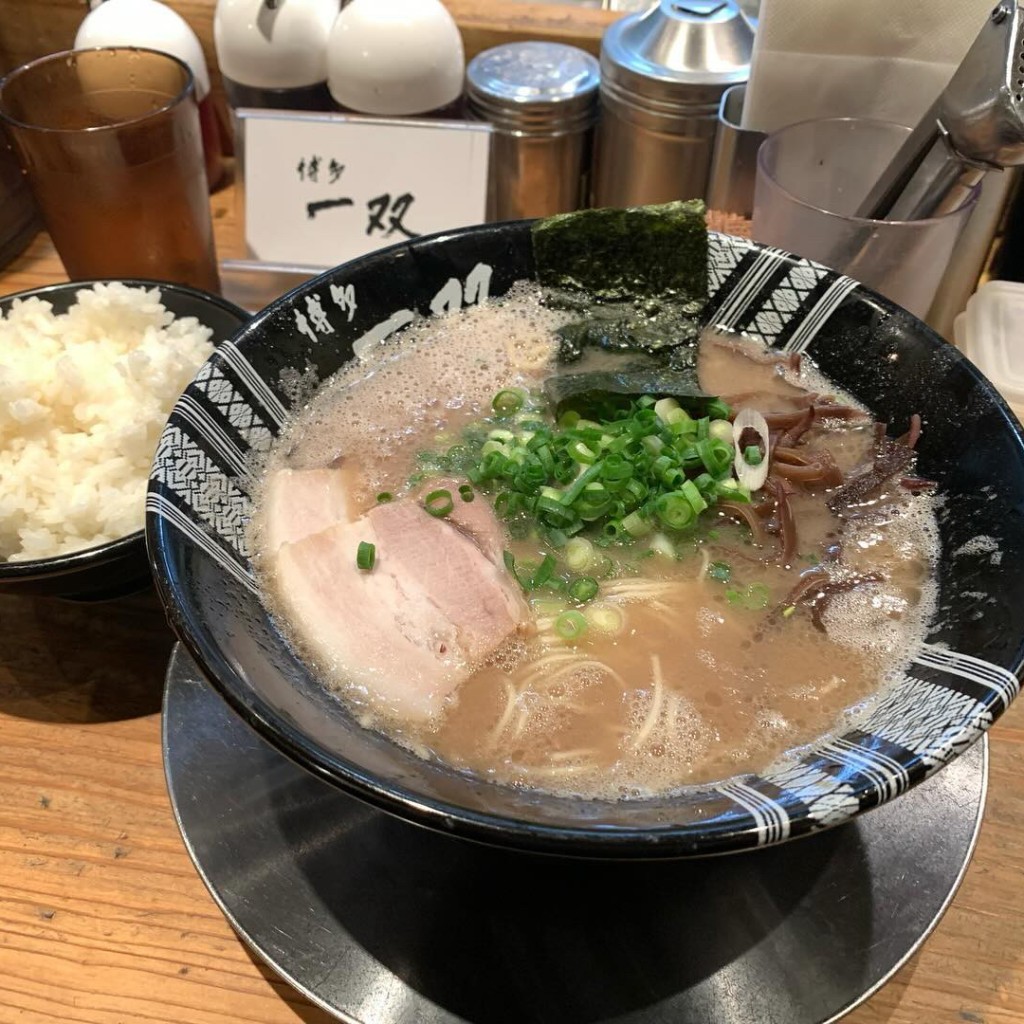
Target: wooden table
{"type": "Point", "coordinates": [103, 919]}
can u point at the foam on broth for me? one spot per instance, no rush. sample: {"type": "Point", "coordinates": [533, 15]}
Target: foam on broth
{"type": "Point", "coordinates": [697, 686]}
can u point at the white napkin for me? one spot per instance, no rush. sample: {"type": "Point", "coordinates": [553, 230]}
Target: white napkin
{"type": "Point", "coordinates": [885, 59]}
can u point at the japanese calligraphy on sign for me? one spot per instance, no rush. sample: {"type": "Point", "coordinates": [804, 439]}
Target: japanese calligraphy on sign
{"type": "Point", "coordinates": [324, 188]}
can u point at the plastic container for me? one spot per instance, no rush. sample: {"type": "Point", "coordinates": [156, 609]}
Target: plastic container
{"type": "Point", "coordinates": [810, 179]}
{"type": "Point", "coordinates": [154, 26]}
{"type": "Point", "coordinates": [990, 332]}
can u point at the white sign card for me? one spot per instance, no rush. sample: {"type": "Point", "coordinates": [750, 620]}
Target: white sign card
{"type": "Point", "coordinates": [321, 189]}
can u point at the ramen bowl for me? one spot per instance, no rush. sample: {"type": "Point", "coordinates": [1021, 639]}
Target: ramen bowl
{"type": "Point", "coordinates": [956, 685]}
{"type": "Point", "coordinates": [119, 566]}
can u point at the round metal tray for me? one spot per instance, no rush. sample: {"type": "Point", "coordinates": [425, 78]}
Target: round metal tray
{"type": "Point", "coordinates": [380, 922]}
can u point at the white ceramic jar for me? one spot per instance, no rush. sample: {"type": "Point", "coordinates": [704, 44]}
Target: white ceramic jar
{"type": "Point", "coordinates": [273, 53]}
{"type": "Point", "coordinates": [396, 58]}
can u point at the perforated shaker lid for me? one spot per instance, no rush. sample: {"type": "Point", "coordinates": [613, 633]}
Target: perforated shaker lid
{"type": "Point", "coordinates": [519, 86]}
{"type": "Point", "coordinates": [678, 44]}
{"type": "Point", "coordinates": [991, 334]}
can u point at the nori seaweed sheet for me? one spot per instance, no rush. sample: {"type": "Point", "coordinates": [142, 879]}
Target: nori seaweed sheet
{"type": "Point", "coordinates": [618, 254]}
{"type": "Point", "coordinates": [588, 391]}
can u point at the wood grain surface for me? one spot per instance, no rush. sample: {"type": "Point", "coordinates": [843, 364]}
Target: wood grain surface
{"type": "Point", "coordinates": [104, 921]}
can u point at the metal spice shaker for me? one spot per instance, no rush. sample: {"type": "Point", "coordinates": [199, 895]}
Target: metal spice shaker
{"type": "Point", "coordinates": [663, 73]}
{"type": "Point", "coordinates": [541, 99]}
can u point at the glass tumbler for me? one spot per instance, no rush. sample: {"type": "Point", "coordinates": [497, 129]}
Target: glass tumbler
{"type": "Point", "coordinates": [110, 142]}
{"type": "Point", "coordinates": [812, 176]}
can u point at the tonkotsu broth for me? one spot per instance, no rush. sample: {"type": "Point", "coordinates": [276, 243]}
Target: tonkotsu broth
{"type": "Point", "coordinates": [699, 684]}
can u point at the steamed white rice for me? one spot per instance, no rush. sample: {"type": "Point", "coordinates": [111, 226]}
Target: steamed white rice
{"type": "Point", "coordinates": [83, 399]}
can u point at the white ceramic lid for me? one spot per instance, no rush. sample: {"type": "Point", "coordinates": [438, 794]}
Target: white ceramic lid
{"type": "Point", "coordinates": [395, 57]}
{"type": "Point", "coordinates": [279, 47]}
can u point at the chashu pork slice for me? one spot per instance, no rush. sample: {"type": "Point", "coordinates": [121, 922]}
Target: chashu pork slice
{"type": "Point", "coordinates": [300, 502]}
{"type": "Point", "coordinates": [414, 627]}
{"type": "Point", "coordinates": [474, 518]}
{"type": "Point", "coordinates": [465, 583]}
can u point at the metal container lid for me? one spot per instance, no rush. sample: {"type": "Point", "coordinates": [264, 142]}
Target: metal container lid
{"type": "Point", "coordinates": [534, 87]}
{"type": "Point", "coordinates": [672, 50]}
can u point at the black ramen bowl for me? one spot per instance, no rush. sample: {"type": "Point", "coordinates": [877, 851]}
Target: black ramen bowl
{"type": "Point", "coordinates": [119, 566]}
{"type": "Point", "coordinates": [961, 680]}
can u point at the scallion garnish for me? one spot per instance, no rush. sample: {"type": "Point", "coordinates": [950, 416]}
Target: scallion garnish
{"type": "Point", "coordinates": [366, 555]}
{"type": "Point", "coordinates": [584, 589]}
{"type": "Point", "coordinates": [384, 496]}
{"type": "Point", "coordinates": [579, 554]}
{"type": "Point", "coordinates": [675, 510]}
{"type": "Point", "coordinates": [507, 402]}
{"type": "Point", "coordinates": [439, 503]}
{"type": "Point", "coordinates": [633, 472]}
{"type": "Point", "coordinates": [543, 572]}
{"type": "Point", "coordinates": [570, 625]}
{"type": "Point", "coordinates": [720, 571]}
{"type": "Point", "coordinates": [752, 455]}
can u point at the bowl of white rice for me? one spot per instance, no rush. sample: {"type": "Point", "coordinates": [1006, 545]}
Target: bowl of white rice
{"type": "Point", "coordinates": [88, 374]}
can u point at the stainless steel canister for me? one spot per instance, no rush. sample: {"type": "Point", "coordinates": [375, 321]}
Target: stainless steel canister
{"type": "Point", "coordinates": [541, 99]}
{"type": "Point", "coordinates": [663, 73]}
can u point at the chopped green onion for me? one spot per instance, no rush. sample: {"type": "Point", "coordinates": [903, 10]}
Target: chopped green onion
{"type": "Point", "coordinates": [789, 611]}
{"type": "Point", "coordinates": [675, 510]}
{"type": "Point", "coordinates": [691, 492]}
{"type": "Point", "coordinates": [510, 564]}
{"type": "Point", "coordinates": [581, 453]}
{"type": "Point", "coordinates": [720, 571]}
{"type": "Point", "coordinates": [652, 443]}
{"type": "Point", "coordinates": [752, 455]}
{"type": "Point", "coordinates": [679, 420]}
{"type": "Point", "coordinates": [366, 555]}
{"type": "Point", "coordinates": [570, 625]}
{"type": "Point", "coordinates": [584, 589]}
{"type": "Point", "coordinates": [576, 488]}
{"type": "Point", "coordinates": [439, 503]}
{"type": "Point", "coordinates": [466, 492]}
{"type": "Point", "coordinates": [543, 572]}
{"type": "Point", "coordinates": [493, 446]}
{"type": "Point", "coordinates": [507, 402]}
{"type": "Point", "coordinates": [554, 510]}
{"type": "Point", "coordinates": [661, 545]}
{"type": "Point", "coordinates": [717, 456]}
{"type": "Point", "coordinates": [579, 553]}
{"type": "Point", "coordinates": [384, 496]}
{"type": "Point", "coordinates": [720, 430]}
{"type": "Point", "coordinates": [718, 409]}
{"type": "Point", "coordinates": [664, 406]}
{"type": "Point", "coordinates": [635, 525]}
{"type": "Point", "coordinates": [606, 618]}
{"type": "Point", "coordinates": [613, 529]}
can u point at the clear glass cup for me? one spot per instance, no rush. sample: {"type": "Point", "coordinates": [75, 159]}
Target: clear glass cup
{"type": "Point", "coordinates": [110, 142]}
{"type": "Point", "coordinates": [812, 176]}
